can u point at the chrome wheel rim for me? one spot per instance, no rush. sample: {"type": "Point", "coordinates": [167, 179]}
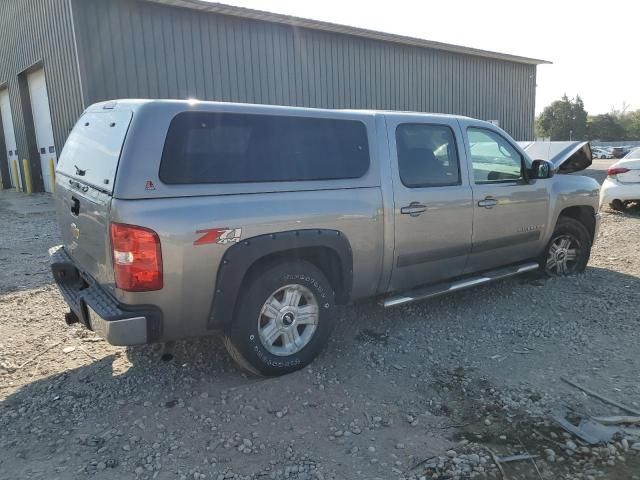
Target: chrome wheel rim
{"type": "Point", "coordinates": [288, 319]}
{"type": "Point", "coordinates": [562, 258]}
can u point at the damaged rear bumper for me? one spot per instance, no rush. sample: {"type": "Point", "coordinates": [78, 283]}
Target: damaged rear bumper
{"type": "Point", "coordinates": [118, 324]}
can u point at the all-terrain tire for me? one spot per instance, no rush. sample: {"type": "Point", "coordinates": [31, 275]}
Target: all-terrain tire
{"type": "Point", "coordinates": [242, 338]}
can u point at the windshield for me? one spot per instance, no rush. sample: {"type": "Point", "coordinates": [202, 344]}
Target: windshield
{"type": "Point", "coordinates": [92, 151]}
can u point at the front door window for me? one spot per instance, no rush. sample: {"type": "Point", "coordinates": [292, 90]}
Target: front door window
{"type": "Point", "coordinates": [493, 158]}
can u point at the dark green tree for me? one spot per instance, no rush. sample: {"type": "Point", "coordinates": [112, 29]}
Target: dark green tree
{"type": "Point", "coordinates": [564, 119]}
{"type": "Point", "coordinates": [632, 125]}
{"type": "Point", "coordinates": [606, 128]}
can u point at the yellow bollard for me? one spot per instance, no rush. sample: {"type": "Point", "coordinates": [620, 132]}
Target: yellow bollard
{"type": "Point", "coordinates": [16, 177]}
{"type": "Point", "coordinates": [27, 176]}
{"type": "Point", "coordinates": [52, 174]}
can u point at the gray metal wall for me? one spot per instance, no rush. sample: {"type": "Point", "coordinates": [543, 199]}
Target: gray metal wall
{"type": "Point", "coordinates": [131, 48]}
{"type": "Point", "coordinates": [36, 32]}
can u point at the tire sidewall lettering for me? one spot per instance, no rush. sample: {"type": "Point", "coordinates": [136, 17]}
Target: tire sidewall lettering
{"type": "Point", "coordinates": [267, 360]}
{"type": "Point", "coordinates": [310, 281]}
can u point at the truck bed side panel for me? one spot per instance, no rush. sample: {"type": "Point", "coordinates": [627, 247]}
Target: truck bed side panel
{"type": "Point", "coordinates": [190, 270]}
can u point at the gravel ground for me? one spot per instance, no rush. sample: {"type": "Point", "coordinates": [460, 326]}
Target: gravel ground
{"type": "Point", "coordinates": [438, 389]}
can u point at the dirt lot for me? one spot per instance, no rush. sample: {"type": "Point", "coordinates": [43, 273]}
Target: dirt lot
{"type": "Point", "coordinates": [439, 389]}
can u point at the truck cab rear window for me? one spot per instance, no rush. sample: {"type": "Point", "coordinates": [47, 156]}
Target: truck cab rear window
{"type": "Point", "coordinates": [204, 147]}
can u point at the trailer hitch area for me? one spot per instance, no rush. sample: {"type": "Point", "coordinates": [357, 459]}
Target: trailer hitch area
{"type": "Point", "coordinates": [70, 317]}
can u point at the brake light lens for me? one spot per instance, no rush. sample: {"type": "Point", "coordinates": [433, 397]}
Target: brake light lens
{"type": "Point", "coordinates": [137, 258]}
{"type": "Point", "coordinates": [613, 171]}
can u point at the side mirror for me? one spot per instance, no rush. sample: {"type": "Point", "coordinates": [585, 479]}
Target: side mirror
{"type": "Point", "coordinates": [541, 169]}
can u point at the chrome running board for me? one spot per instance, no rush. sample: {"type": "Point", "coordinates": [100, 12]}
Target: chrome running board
{"type": "Point", "coordinates": [440, 289]}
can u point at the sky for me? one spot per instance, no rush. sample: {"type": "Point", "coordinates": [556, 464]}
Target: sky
{"type": "Point", "coordinates": [594, 46]}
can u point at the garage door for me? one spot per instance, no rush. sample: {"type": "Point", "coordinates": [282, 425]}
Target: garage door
{"type": "Point", "coordinates": [42, 123]}
{"type": "Point", "coordinates": [9, 137]}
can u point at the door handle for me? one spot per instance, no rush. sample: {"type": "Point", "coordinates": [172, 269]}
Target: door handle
{"type": "Point", "coordinates": [75, 208]}
{"type": "Point", "coordinates": [414, 209]}
{"type": "Point", "coordinates": [488, 202]}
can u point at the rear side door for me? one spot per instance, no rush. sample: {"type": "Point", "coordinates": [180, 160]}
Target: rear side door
{"type": "Point", "coordinates": [433, 205]}
{"type": "Point", "coordinates": [510, 213]}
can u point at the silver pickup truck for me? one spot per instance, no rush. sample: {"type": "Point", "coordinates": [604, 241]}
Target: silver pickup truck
{"type": "Point", "coordinates": [184, 218]}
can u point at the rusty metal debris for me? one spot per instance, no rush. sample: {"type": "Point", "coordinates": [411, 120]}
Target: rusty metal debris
{"type": "Point", "coordinates": [517, 458]}
{"type": "Point", "coordinates": [601, 397]}
{"type": "Point", "coordinates": [617, 420]}
{"type": "Point", "coordinates": [588, 431]}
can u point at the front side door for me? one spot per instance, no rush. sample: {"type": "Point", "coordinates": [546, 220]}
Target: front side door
{"type": "Point", "coordinates": [510, 213]}
{"type": "Point", "coordinates": [433, 206]}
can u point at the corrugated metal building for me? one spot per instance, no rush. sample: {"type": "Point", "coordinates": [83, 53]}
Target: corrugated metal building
{"type": "Point", "coordinates": [59, 56]}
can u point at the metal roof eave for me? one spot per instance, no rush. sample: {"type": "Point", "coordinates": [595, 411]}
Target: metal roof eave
{"type": "Point", "coordinates": [252, 14]}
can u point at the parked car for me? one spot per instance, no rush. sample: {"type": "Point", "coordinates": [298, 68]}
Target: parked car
{"type": "Point", "coordinates": [180, 219]}
{"type": "Point", "coordinates": [601, 153]}
{"type": "Point", "coordinates": [618, 152]}
{"type": "Point", "coordinates": [622, 185]}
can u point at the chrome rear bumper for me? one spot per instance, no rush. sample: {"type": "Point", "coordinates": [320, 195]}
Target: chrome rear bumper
{"type": "Point", "coordinates": [118, 324]}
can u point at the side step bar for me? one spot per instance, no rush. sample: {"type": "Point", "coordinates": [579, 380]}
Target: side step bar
{"type": "Point", "coordinates": [440, 289]}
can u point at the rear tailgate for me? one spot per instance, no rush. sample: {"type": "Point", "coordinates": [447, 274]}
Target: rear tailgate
{"type": "Point", "coordinates": [633, 173]}
{"type": "Point", "coordinates": [632, 176]}
{"type": "Point", "coordinates": [85, 177]}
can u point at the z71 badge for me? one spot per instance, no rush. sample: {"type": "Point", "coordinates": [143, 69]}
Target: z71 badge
{"type": "Point", "coordinates": [221, 236]}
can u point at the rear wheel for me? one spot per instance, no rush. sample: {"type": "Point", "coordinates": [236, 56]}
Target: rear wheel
{"type": "Point", "coordinates": [568, 250]}
{"type": "Point", "coordinates": [283, 319]}
{"type": "Point", "coordinates": [617, 205]}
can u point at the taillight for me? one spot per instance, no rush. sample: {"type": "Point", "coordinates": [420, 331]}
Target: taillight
{"type": "Point", "coordinates": [137, 258]}
{"type": "Point", "coordinates": [616, 171]}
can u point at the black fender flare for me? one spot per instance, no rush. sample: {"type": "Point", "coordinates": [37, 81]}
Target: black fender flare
{"type": "Point", "coordinates": [239, 258]}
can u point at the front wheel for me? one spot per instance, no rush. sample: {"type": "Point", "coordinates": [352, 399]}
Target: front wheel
{"type": "Point", "coordinates": [283, 319]}
{"type": "Point", "coordinates": [568, 250]}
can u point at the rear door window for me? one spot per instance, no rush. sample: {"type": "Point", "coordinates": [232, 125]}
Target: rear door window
{"type": "Point", "coordinates": [208, 147]}
{"type": "Point", "coordinates": [92, 151]}
{"type": "Point", "coordinates": [427, 155]}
